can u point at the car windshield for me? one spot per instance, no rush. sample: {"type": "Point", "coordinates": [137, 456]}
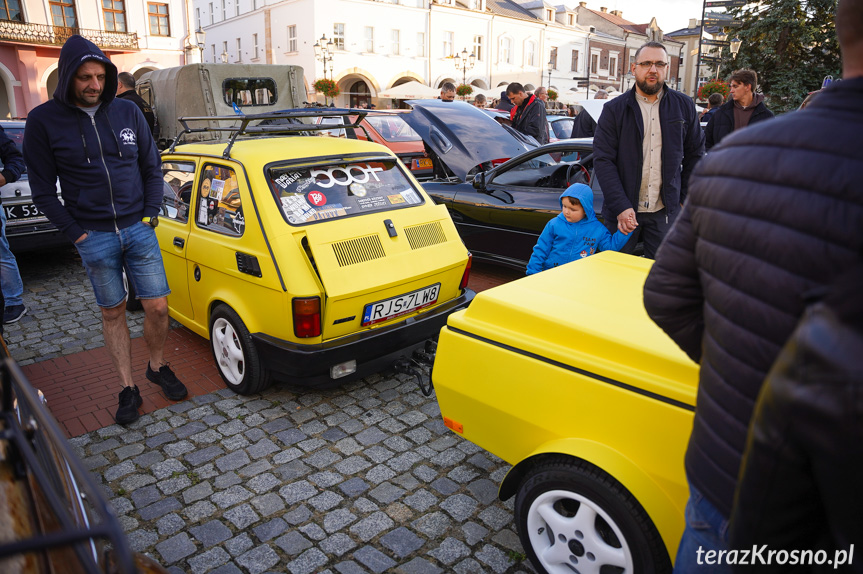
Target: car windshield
{"type": "Point", "coordinates": [539, 171]}
{"type": "Point", "coordinates": [562, 128]}
{"type": "Point", "coordinates": [312, 193]}
{"type": "Point", "coordinates": [17, 136]}
{"type": "Point", "coordinates": [393, 128]}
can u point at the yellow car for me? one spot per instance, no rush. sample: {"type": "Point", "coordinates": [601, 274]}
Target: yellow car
{"type": "Point", "coordinates": [311, 260]}
{"type": "Point", "coordinates": [563, 375]}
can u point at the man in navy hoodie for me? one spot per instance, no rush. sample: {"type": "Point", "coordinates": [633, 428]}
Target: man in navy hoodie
{"type": "Point", "coordinates": [110, 175]}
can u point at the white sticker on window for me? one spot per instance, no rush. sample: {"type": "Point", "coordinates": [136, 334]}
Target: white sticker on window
{"type": "Point", "coordinates": [217, 188]}
{"type": "Point", "coordinates": [411, 197]}
{"type": "Point", "coordinates": [297, 209]}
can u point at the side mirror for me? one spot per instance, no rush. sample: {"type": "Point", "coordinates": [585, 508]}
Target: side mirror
{"type": "Point", "coordinates": [479, 181]}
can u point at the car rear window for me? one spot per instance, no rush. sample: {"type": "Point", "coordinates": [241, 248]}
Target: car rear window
{"type": "Point", "coordinates": [562, 128]}
{"type": "Point", "coordinates": [312, 193]}
{"type": "Point", "coordinates": [393, 129]}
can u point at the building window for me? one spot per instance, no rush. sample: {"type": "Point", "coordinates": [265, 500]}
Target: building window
{"type": "Point", "coordinates": [292, 38]}
{"type": "Point", "coordinates": [339, 36]}
{"type": "Point", "coordinates": [594, 63]}
{"type": "Point", "coordinates": [421, 44]}
{"type": "Point", "coordinates": [505, 51]}
{"type": "Point", "coordinates": [10, 10]}
{"type": "Point", "coordinates": [224, 10]}
{"type": "Point", "coordinates": [255, 45]}
{"type": "Point", "coordinates": [477, 47]}
{"type": "Point", "coordinates": [397, 42]}
{"type": "Point", "coordinates": [212, 12]}
{"type": "Point", "coordinates": [448, 40]}
{"type": "Point", "coordinates": [115, 15]}
{"type": "Point", "coordinates": [552, 57]}
{"type": "Point", "coordinates": [198, 16]}
{"type": "Point", "coordinates": [239, 51]}
{"type": "Point", "coordinates": [574, 66]}
{"type": "Point", "coordinates": [63, 14]}
{"type": "Point", "coordinates": [236, 7]}
{"type": "Point", "coordinates": [369, 34]}
{"type": "Point", "coordinates": [225, 50]}
{"type": "Point", "coordinates": [530, 54]}
{"type": "Point", "coordinates": [213, 47]}
{"type": "Point", "coordinates": [570, 19]}
{"type": "Point", "coordinates": [159, 23]}
{"type": "Point", "coordinates": [549, 15]}
{"type": "Point", "coordinates": [612, 66]}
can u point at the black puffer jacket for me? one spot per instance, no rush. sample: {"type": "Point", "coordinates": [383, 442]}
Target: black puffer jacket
{"type": "Point", "coordinates": [800, 481]}
{"type": "Point", "coordinates": [774, 212]}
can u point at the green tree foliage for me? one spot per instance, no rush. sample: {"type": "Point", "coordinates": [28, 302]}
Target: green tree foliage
{"type": "Point", "coordinates": [791, 44]}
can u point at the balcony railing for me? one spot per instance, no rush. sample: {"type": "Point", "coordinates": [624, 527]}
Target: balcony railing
{"type": "Point", "coordinates": [11, 31]}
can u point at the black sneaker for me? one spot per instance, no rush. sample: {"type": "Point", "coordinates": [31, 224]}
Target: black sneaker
{"type": "Point", "coordinates": [130, 401]}
{"type": "Point", "coordinates": [12, 313]}
{"type": "Point", "coordinates": [171, 385]}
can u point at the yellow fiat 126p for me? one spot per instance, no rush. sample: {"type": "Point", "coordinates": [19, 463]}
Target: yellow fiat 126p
{"type": "Point", "coordinates": [309, 259]}
{"type": "Point", "coordinates": [563, 375]}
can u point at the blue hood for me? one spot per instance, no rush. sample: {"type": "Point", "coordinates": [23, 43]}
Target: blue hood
{"type": "Point", "coordinates": [584, 195]}
{"type": "Point", "coordinates": [75, 52]}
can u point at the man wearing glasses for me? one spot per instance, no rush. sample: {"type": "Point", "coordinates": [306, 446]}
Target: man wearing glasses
{"type": "Point", "coordinates": [642, 139]}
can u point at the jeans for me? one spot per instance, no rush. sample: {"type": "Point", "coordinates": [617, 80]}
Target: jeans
{"type": "Point", "coordinates": [10, 277]}
{"type": "Point", "coordinates": [706, 531]}
{"type": "Point", "coordinates": [106, 253]}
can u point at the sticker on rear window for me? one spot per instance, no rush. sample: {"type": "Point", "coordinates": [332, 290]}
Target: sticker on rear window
{"type": "Point", "coordinates": [411, 196]}
{"type": "Point", "coordinates": [317, 198]}
{"type": "Point", "coordinates": [371, 202]}
{"type": "Point", "coordinates": [296, 208]}
{"type": "Point", "coordinates": [287, 179]}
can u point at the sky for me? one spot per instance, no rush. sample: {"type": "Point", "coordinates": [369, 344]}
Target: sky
{"type": "Point", "coordinates": [671, 15]}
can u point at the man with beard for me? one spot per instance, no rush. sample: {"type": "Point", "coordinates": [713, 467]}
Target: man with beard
{"type": "Point", "coordinates": [643, 137]}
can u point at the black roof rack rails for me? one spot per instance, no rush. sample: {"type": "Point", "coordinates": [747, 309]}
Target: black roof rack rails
{"type": "Point", "coordinates": [243, 124]}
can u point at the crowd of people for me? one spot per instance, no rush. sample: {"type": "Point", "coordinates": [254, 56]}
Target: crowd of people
{"type": "Point", "coordinates": [751, 242]}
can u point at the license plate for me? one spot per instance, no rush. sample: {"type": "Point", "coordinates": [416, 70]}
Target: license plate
{"type": "Point", "coordinates": [421, 163]}
{"type": "Point", "coordinates": [401, 305]}
{"type": "Point", "coordinates": [22, 211]}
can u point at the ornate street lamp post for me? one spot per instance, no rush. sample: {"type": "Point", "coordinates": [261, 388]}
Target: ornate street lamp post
{"type": "Point", "coordinates": [550, 69]}
{"type": "Point", "coordinates": [200, 37]}
{"type": "Point", "coordinates": [324, 53]}
{"type": "Point", "coordinates": [464, 62]}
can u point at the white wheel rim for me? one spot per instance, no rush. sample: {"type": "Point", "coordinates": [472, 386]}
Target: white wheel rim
{"type": "Point", "coordinates": [564, 542]}
{"type": "Point", "coordinates": [229, 353]}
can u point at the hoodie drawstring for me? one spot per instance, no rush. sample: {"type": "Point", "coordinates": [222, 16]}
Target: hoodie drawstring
{"type": "Point", "coordinates": [119, 149]}
{"type": "Point", "coordinates": [83, 139]}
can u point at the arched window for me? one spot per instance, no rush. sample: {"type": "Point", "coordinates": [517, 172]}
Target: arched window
{"type": "Point", "coordinates": [359, 93]}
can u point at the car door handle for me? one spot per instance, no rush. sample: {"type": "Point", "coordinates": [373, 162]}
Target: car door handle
{"type": "Point", "coordinates": [179, 241]}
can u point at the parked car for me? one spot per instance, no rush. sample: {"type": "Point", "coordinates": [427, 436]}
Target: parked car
{"type": "Point", "coordinates": [559, 127]}
{"type": "Point", "coordinates": [389, 129]}
{"type": "Point", "coordinates": [54, 516]}
{"type": "Point", "coordinates": [563, 375]}
{"type": "Point", "coordinates": [309, 259]}
{"type": "Point", "coordinates": [27, 228]}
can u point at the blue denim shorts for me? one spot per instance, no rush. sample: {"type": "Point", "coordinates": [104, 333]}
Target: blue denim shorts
{"type": "Point", "coordinates": [105, 254]}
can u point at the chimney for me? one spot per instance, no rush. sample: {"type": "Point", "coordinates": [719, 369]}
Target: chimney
{"type": "Point", "coordinates": [583, 4]}
{"type": "Point", "coordinates": [618, 13]}
{"type": "Point", "coordinates": [692, 23]}
{"type": "Point", "coordinates": [603, 9]}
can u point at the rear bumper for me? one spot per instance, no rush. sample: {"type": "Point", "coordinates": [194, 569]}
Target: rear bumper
{"type": "Point", "coordinates": [34, 236]}
{"type": "Point", "coordinates": [309, 365]}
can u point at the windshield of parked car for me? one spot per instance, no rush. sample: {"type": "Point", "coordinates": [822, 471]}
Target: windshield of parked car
{"type": "Point", "coordinates": [562, 128]}
{"type": "Point", "coordinates": [393, 128]}
{"type": "Point", "coordinates": [311, 193]}
{"type": "Point", "coordinates": [17, 137]}
{"type": "Point", "coordinates": [543, 170]}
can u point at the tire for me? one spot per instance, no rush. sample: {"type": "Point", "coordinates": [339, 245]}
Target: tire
{"type": "Point", "coordinates": [235, 354]}
{"type": "Point", "coordinates": [572, 515]}
{"type": "Point", "coordinates": [132, 304]}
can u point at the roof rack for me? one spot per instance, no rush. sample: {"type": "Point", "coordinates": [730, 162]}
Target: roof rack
{"type": "Point", "coordinates": [242, 123]}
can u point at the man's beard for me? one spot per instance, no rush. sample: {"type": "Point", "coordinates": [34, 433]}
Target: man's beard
{"type": "Point", "coordinates": [647, 88]}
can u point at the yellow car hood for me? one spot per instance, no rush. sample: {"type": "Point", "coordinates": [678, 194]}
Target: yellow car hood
{"type": "Point", "coordinates": [586, 315]}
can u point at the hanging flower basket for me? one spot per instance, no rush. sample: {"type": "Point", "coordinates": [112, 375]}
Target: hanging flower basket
{"type": "Point", "coordinates": [714, 87]}
{"type": "Point", "coordinates": [326, 87]}
{"type": "Point", "coordinates": [552, 95]}
{"type": "Point", "coordinates": [464, 90]}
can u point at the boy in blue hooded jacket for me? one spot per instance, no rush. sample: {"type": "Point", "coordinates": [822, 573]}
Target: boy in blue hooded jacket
{"type": "Point", "coordinates": [575, 233]}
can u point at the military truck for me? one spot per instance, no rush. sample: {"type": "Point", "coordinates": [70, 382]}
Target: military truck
{"type": "Point", "coordinates": [217, 90]}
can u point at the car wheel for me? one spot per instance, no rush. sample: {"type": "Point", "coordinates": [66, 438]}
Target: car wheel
{"type": "Point", "coordinates": [235, 354]}
{"type": "Point", "coordinates": [573, 517]}
{"type": "Point", "coordinates": [132, 304]}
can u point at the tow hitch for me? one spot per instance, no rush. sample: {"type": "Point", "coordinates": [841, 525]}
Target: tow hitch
{"type": "Point", "coordinates": [419, 365]}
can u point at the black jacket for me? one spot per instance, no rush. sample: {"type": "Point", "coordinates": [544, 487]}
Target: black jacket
{"type": "Point", "coordinates": [801, 475]}
{"type": "Point", "coordinates": [132, 96]}
{"type": "Point", "coordinates": [773, 213]}
{"type": "Point", "coordinates": [721, 123]}
{"type": "Point", "coordinates": [11, 158]}
{"type": "Point", "coordinates": [584, 126]}
{"type": "Point", "coordinates": [617, 149]}
{"type": "Point", "coordinates": [109, 169]}
{"type": "Point", "coordinates": [529, 118]}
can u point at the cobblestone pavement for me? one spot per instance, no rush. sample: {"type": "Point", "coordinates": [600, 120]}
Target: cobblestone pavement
{"type": "Point", "coordinates": [364, 478]}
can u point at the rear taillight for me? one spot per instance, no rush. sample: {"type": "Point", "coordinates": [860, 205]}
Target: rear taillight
{"type": "Point", "coordinates": [466, 276]}
{"type": "Point", "coordinates": [307, 317]}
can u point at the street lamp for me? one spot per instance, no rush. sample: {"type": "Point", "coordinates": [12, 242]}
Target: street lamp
{"type": "Point", "coordinates": [550, 68]}
{"type": "Point", "coordinates": [224, 57]}
{"type": "Point", "coordinates": [721, 36]}
{"type": "Point", "coordinates": [735, 46]}
{"type": "Point", "coordinates": [324, 53]}
{"type": "Point", "coordinates": [464, 62]}
{"type": "Point", "coordinates": [200, 37]}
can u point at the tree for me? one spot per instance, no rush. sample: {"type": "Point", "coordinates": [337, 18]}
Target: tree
{"type": "Point", "coordinates": [791, 44]}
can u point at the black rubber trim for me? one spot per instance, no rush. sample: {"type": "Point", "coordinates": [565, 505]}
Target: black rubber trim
{"type": "Point", "coordinates": [622, 385]}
